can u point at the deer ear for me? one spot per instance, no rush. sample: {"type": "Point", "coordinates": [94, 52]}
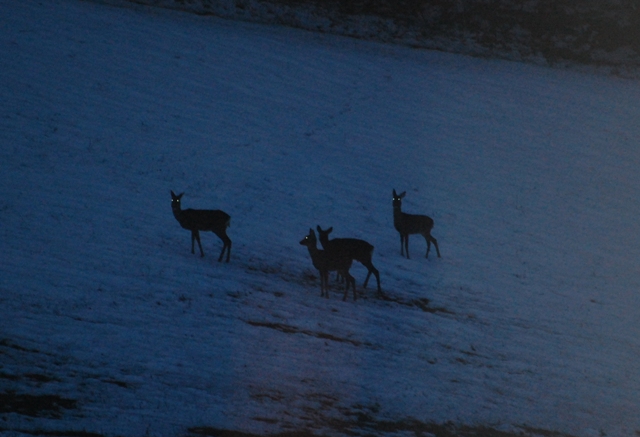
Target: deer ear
{"type": "Point", "coordinates": [403, 194]}
{"type": "Point", "coordinates": [172, 193]}
{"type": "Point", "coordinates": [329, 230]}
{"type": "Point", "coordinates": [394, 193]}
{"type": "Point", "coordinates": [319, 228]}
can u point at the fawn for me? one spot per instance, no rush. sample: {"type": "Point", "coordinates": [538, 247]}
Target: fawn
{"type": "Point", "coordinates": [353, 248]}
{"type": "Point", "coordinates": [196, 220]}
{"type": "Point", "coordinates": [407, 224]}
{"type": "Point", "coordinates": [326, 261]}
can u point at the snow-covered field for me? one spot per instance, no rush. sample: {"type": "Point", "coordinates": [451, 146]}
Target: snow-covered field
{"type": "Point", "coordinates": [110, 326]}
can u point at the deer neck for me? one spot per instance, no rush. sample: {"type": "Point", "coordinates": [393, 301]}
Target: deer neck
{"type": "Point", "coordinates": [316, 257]}
{"type": "Point", "coordinates": [397, 215]}
{"type": "Point", "coordinates": [313, 251]}
{"type": "Point", "coordinates": [177, 213]}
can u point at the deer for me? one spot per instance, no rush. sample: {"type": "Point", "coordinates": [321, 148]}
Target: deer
{"type": "Point", "coordinates": [326, 261]}
{"type": "Point", "coordinates": [407, 224]}
{"type": "Point", "coordinates": [196, 220]}
{"type": "Point", "coordinates": [353, 248]}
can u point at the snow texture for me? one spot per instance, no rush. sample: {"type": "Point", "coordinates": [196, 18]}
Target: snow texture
{"type": "Point", "coordinates": [528, 321]}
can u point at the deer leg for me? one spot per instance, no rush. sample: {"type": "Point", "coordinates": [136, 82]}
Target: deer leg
{"type": "Point", "coordinates": [366, 280]}
{"type": "Point", "coordinates": [195, 235]}
{"type": "Point", "coordinates": [406, 243]}
{"type": "Point", "coordinates": [228, 249]}
{"type": "Point", "coordinates": [372, 269]}
{"type": "Point", "coordinates": [375, 272]}
{"type": "Point", "coordinates": [401, 244]}
{"type": "Point", "coordinates": [346, 289]}
{"type": "Point", "coordinates": [435, 243]}
{"type": "Point", "coordinates": [353, 283]}
{"type": "Point", "coordinates": [226, 245]}
{"type": "Point", "coordinates": [324, 283]}
{"type": "Point", "coordinates": [350, 280]}
{"type": "Point", "coordinates": [429, 238]}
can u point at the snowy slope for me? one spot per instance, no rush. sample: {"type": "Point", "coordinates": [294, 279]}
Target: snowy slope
{"type": "Point", "coordinates": [529, 321]}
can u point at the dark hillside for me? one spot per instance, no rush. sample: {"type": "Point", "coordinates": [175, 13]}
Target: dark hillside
{"type": "Point", "coordinates": [595, 32]}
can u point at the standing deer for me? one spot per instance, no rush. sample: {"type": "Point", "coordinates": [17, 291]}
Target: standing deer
{"type": "Point", "coordinates": [326, 261]}
{"type": "Point", "coordinates": [196, 220]}
{"type": "Point", "coordinates": [352, 248]}
{"type": "Point", "coordinates": [408, 224]}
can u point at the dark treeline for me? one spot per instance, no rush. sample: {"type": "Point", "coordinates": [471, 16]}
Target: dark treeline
{"type": "Point", "coordinates": [588, 31]}
{"type": "Point", "coordinates": [596, 32]}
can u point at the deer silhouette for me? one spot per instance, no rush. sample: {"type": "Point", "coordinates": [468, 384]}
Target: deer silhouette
{"type": "Point", "coordinates": [326, 261]}
{"type": "Point", "coordinates": [353, 248]}
{"type": "Point", "coordinates": [407, 224]}
{"type": "Point", "coordinates": [196, 220]}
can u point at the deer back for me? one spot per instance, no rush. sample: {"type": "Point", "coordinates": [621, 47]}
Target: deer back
{"type": "Point", "coordinates": [203, 219]}
{"type": "Point", "coordinates": [353, 248]}
{"type": "Point", "coordinates": [412, 223]}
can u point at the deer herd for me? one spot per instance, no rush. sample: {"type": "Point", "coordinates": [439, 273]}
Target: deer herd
{"type": "Point", "coordinates": [336, 255]}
